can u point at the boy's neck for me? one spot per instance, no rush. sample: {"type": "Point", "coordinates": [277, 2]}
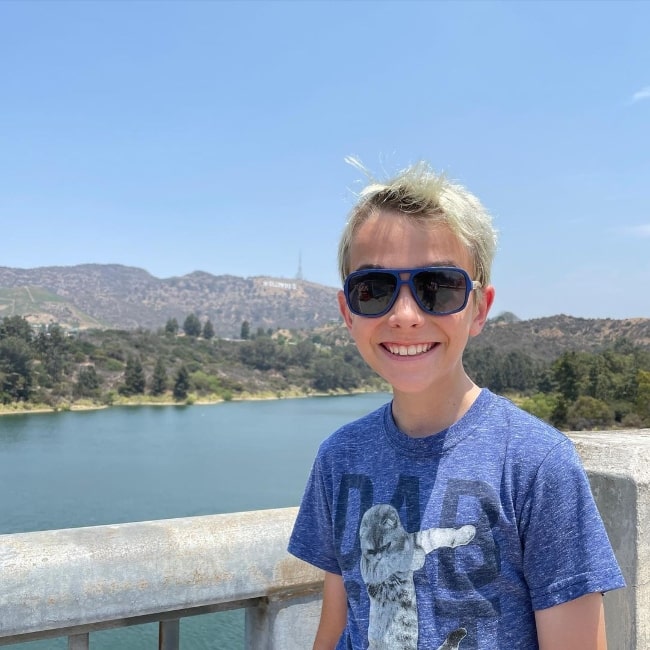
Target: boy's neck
{"type": "Point", "coordinates": [420, 415]}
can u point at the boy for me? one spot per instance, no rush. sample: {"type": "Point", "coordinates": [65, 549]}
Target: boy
{"type": "Point", "coordinates": [448, 518]}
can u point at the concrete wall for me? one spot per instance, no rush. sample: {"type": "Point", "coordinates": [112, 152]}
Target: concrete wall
{"type": "Point", "coordinates": [618, 465]}
{"type": "Point", "coordinates": [73, 581]}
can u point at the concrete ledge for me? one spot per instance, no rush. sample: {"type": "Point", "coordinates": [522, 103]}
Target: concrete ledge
{"type": "Point", "coordinates": [618, 465]}
{"type": "Point", "coordinates": [62, 579]}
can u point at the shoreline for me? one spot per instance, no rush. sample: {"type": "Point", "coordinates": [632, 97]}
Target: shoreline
{"type": "Point", "coordinates": [22, 409]}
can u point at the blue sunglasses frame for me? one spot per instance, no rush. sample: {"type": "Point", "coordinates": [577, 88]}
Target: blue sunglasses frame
{"type": "Point", "coordinates": [372, 276]}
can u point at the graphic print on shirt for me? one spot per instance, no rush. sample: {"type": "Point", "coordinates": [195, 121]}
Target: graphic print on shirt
{"type": "Point", "coordinates": [389, 556]}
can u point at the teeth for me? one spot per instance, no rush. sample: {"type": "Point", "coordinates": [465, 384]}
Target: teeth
{"type": "Point", "coordinates": [409, 350]}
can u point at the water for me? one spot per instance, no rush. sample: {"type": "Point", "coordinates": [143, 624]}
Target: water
{"type": "Point", "coordinates": [64, 470]}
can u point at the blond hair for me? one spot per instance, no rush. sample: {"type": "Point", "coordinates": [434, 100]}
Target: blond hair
{"type": "Point", "coordinates": [418, 193]}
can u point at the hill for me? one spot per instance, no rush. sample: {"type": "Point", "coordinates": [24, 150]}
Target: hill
{"type": "Point", "coordinates": [122, 297]}
{"type": "Point", "coordinates": [111, 296]}
{"type": "Point", "coordinates": [549, 337]}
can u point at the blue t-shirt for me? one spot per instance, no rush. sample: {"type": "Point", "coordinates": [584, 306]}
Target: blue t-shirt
{"type": "Point", "coordinates": [453, 540]}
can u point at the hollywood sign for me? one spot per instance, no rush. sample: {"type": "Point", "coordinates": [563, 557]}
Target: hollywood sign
{"type": "Point", "coordinates": [289, 286]}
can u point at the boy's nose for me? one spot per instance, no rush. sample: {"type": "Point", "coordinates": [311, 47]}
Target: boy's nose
{"type": "Point", "coordinates": [405, 311]}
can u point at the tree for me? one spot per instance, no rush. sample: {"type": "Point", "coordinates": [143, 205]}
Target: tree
{"type": "Point", "coordinates": [245, 331]}
{"type": "Point", "coordinates": [159, 378]}
{"type": "Point", "coordinates": [261, 354]}
{"type": "Point", "coordinates": [330, 374]}
{"type": "Point", "coordinates": [208, 330]}
{"type": "Point", "coordinates": [566, 374]}
{"type": "Point", "coordinates": [134, 380]}
{"type": "Point", "coordinates": [15, 370]}
{"type": "Point", "coordinates": [643, 396]}
{"type": "Point", "coordinates": [87, 382]}
{"type": "Point", "coordinates": [171, 326]}
{"type": "Point", "coordinates": [181, 384]}
{"type": "Point", "coordinates": [519, 371]}
{"type": "Point", "coordinates": [485, 367]}
{"type": "Point", "coordinates": [17, 327]}
{"type": "Point", "coordinates": [52, 347]}
{"type": "Point", "coordinates": [560, 413]}
{"type": "Point", "coordinates": [302, 353]}
{"type": "Point", "coordinates": [192, 325]}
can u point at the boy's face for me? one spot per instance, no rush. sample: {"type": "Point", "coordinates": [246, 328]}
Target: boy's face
{"type": "Point", "coordinates": [412, 350]}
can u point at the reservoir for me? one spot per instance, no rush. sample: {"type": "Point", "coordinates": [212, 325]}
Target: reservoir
{"type": "Point", "coordinates": [88, 468]}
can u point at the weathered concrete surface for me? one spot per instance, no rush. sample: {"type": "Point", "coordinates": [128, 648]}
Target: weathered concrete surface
{"type": "Point", "coordinates": [282, 624]}
{"type": "Point", "coordinates": [65, 578]}
{"type": "Point", "coordinates": [618, 465]}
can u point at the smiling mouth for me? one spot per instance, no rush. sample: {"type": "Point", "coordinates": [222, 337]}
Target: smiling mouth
{"type": "Point", "coordinates": [408, 350]}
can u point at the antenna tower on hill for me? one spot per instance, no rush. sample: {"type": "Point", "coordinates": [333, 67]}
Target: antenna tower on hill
{"type": "Point", "coordinates": [299, 275]}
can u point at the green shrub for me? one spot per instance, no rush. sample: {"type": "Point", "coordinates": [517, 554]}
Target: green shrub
{"type": "Point", "coordinates": [589, 413]}
{"type": "Point", "coordinates": [205, 383]}
{"type": "Point", "coordinates": [110, 365]}
{"type": "Point", "coordinates": [541, 405]}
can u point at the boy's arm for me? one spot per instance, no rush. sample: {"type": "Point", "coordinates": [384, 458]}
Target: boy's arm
{"type": "Point", "coordinates": [334, 613]}
{"type": "Point", "coordinates": [576, 625]}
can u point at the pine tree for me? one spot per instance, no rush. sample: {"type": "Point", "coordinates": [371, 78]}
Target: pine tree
{"type": "Point", "coordinates": [17, 327]}
{"type": "Point", "coordinates": [88, 383]}
{"type": "Point", "coordinates": [171, 326]}
{"type": "Point", "coordinates": [159, 378]}
{"type": "Point", "coordinates": [16, 374]}
{"type": "Point", "coordinates": [192, 325]}
{"type": "Point", "coordinates": [181, 384]}
{"type": "Point", "coordinates": [52, 346]}
{"type": "Point", "coordinates": [134, 381]}
{"type": "Point", "coordinates": [208, 330]}
{"type": "Point", "coordinates": [245, 331]}
{"type": "Point", "coordinates": [566, 374]}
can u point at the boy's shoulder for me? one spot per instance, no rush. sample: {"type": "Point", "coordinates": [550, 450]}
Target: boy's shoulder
{"type": "Point", "coordinates": [523, 433]}
{"type": "Point", "coordinates": [498, 411]}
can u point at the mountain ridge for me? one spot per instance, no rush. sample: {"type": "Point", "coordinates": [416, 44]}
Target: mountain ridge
{"type": "Point", "coordinates": [116, 296]}
{"type": "Point", "coordinates": [123, 297]}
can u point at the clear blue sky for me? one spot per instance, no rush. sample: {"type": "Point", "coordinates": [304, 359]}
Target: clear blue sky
{"type": "Point", "coordinates": [182, 136]}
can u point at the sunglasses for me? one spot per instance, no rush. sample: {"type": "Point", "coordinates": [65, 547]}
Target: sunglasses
{"type": "Point", "coordinates": [438, 290]}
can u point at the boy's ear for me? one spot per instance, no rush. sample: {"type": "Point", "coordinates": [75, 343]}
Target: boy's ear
{"type": "Point", "coordinates": [482, 309]}
{"type": "Point", "coordinates": [343, 308]}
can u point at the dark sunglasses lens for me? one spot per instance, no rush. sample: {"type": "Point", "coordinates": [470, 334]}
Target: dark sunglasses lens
{"type": "Point", "coordinates": [369, 294]}
{"type": "Point", "coordinates": [440, 292]}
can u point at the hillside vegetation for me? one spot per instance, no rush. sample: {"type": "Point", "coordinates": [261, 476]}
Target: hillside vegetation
{"type": "Point", "coordinates": [100, 334]}
{"type": "Point", "coordinates": [594, 386]}
{"type": "Point", "coordinates": [53, 368]}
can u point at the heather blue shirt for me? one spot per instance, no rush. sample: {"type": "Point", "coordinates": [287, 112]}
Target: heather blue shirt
{"type": "Point", "coordinates": [508, 480]}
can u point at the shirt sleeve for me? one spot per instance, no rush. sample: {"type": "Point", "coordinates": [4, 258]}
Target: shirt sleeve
{"type": "Point", "coordinates": [312, 539]}
{"type": "Point", "coordinates": [567, 553]}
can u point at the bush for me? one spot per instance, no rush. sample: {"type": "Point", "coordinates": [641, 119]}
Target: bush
{"type": "Point", "coordinates": [204, 383]}
{"type": "Point", "coordinates": [632, 421]}
{"type": "Point", "coordinates": [589, 413]}
{"type": "Point", "coordinates": [110, 365]}
{"type": "Point", "coordinates": [541, 405]}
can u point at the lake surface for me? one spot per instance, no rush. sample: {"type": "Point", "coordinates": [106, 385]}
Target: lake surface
{"type": "Point", "coordinates": [122, 464]}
